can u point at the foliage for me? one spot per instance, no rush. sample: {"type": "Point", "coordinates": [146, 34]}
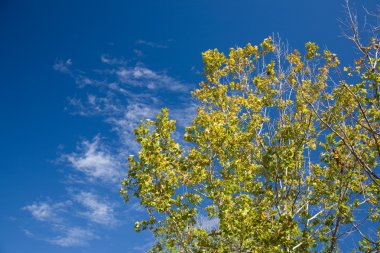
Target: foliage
{"type": "Point", "coordinates": [283, 156]}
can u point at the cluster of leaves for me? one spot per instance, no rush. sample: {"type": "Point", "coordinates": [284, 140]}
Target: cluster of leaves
{"type": "Point", "coordinates": [283, 155]}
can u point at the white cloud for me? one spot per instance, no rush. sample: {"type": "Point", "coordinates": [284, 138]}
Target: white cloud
{"type": "Point", "coordinates": [105, 58]}
{"type": "Point", "coordinates": [63, 66]}
{"type": "Point", "coordinates": [151, 44]}
{"type": "Point", "coordinates": [140, 76]}
{"type": "Point", "coordinates": [45, 211]}
{"type": "Point", "coordinates": [66, 236]}
{"type": "Point", "coordinates": [97, 211]}
{"type": "Point", "coordinates": [73, 236]}
{"type": "Point", "coordinates": [129, 120]}
{"type": "Point", "coordinates": [138, 53]}
{"type": "Point", "coordinates": [136, 207]}
{"type": "Point", "coordinates": [79, 77]}
{"type": "Point", "coordinates": [28, 233]}
{"type": "Point", "coordinates": [145, 247]}
{"type": "Point", "coordinates": [83, 80]}
{"type": "Point", "coordinates": [122, 95]}
{"type": "Point", "coordinates": [138, 111]}
{"type": "Point", "coordinates": [185, 114]}
{"type": "Point", "coordinates": [94, 105]}
{"type": "Point", "coordinates": [95, 161]}
{"type": "Point", "coordinates": [59, 216]}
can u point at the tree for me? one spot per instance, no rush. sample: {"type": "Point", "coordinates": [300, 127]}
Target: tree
{"type": "Point", "coordinates": [283, 155]}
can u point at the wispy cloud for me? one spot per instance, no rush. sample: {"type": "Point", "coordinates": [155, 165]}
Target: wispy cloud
{"type": "Point", "coordinates": [151, 44]}
{"type": "Point", "coordinates": [73, 236]}
{"type": "Point", "coordinates": [129, 120]}
{"type": "Point", "coordinates": [63, 66]}
{"type": "Point", "coordinates": [47, 211]}
{"type": "Point", "coordinates": [136, 207]}
{"type": "Point", "coordinates": [121, 92]}
{"type": "Point", "coordinates": [138, 53]}
{"type": "Point", "coordinates": [145, 247]}
{"type": "Point", "coordinates": [124, 95]}
{"type": "Point", "coordinates": [184, 114]}
{"type": "Point", "coordinates": [91, 105]}
{"type": "Point", "coordinates": [83, 80]}
{"type": "Point", "coordinates": [105, 58]}
{"type": "Point", "coordinates": [57, 216]}
{"type": "Point", "coordinates": [97, 211]}
{"type": "Point", "coordinates": [66, 236]}
{"type": "Point", "coordinates": [95, 161]}
{"type": "Point", "coordinates": [141, 76]}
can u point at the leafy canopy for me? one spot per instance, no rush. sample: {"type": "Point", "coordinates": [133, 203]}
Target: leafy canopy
{"type": "Point", "coordinates": [282, 156]}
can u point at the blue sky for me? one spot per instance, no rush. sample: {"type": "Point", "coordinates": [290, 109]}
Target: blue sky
{"type": "Point", "coordinates": [77, 76]}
